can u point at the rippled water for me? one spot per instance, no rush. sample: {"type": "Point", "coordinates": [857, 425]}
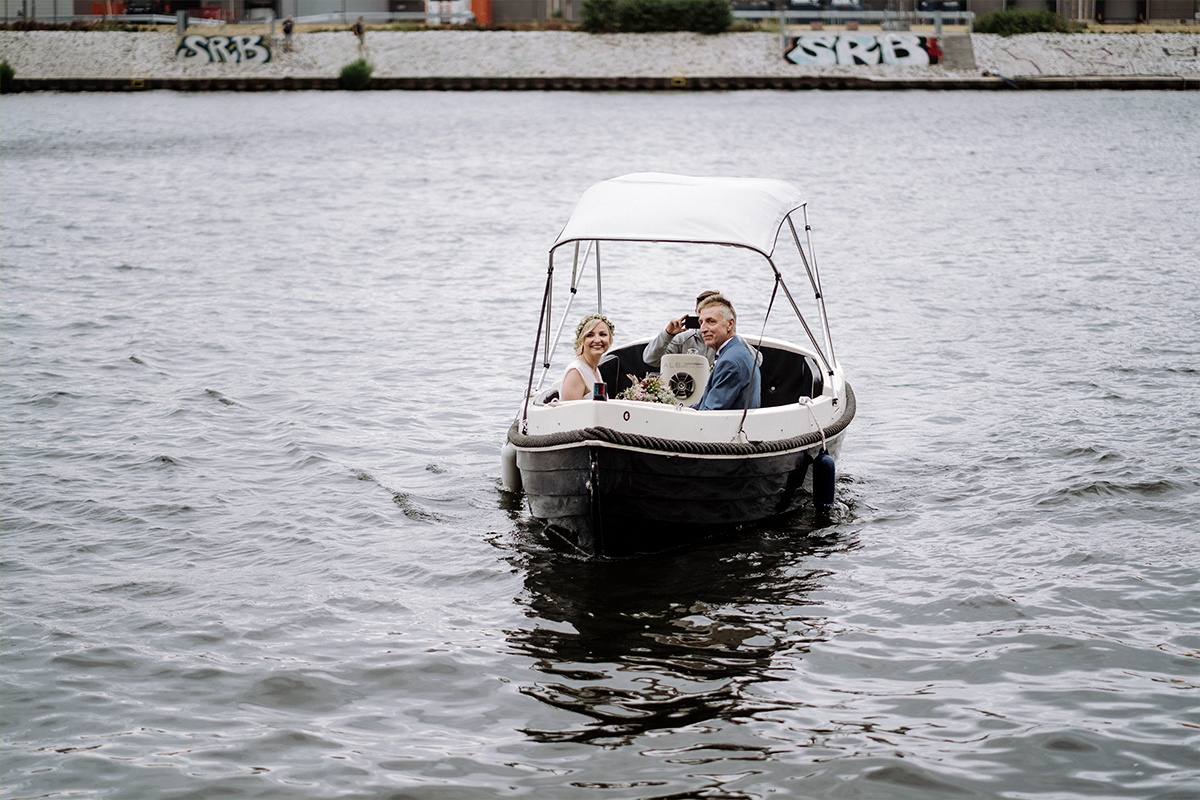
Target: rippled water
{"type": "Point", "coordinates": [259, 353]}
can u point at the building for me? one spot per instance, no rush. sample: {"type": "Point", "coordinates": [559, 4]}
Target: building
{"type": "Point", "coordinates": [502, 11]}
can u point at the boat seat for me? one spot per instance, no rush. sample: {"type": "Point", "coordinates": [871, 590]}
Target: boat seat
{"type": "Point", "coordinates": [619, 364]}
{"type": "Point", "coordinates": [788, 376]}
{"type": "Point", "coordinates": [686, 374]}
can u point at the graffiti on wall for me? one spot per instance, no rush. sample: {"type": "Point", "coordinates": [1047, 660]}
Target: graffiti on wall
{"type": "Point", "coordinates": [848, 49]}
{"type": "Point", "coordinates": [223, 50]}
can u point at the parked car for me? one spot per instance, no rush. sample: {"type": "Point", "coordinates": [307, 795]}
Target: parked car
{"type": "Point", "coordinates": [849, 8]}
{"type": "Point", "coordinates": [945, 6]}
{"type": "Point", "coordinates": [761, 9]}
{"type": "Point", "coordinates": [803, 11]}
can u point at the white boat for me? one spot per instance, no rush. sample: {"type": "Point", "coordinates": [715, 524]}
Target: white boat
{"type": "Point", "coordinates": [624, 477]}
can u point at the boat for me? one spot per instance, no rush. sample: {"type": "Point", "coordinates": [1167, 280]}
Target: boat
{"type": "Point", "coordinates": [623, 478]}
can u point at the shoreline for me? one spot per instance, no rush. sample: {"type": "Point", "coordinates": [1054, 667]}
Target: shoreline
{"type": "Point", "coordinates": [555, 60]}
{"type": "Point", "coordinates": [614, 84]}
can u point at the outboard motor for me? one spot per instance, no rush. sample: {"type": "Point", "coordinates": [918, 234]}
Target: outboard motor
{"type": "Point", "coordinates": [824, 476]}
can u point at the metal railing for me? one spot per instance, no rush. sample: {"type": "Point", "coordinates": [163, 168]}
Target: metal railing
{"type": "Point", "coordinates": [903, 18]}
{"type": "Point", "coordinates": [47, 12]}
{"type": "Point", "coordinates": [378, 17]}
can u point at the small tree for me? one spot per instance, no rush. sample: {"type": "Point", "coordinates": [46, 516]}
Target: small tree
{"type": "Point", "coordinates": [7, 73]}
{"type": "Point", "coordinates": [357, 74]}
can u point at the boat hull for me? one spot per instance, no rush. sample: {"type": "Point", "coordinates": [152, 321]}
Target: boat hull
{"type": "Point", "coordinates": [616, 501]}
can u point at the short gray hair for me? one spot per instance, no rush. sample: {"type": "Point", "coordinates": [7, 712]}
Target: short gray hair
{"type": "Point", "coordinates": [719, 301]}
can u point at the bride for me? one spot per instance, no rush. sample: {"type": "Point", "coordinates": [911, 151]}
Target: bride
{"type": "Point", "coordinates": [593, 337]}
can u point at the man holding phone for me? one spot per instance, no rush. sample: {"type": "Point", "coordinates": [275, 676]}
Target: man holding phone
{"type": "Point", "coordinates": [681, 336]}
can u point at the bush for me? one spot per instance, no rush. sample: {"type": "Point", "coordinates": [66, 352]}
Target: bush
{"type": "Point", "coordinates": [7, 73]}
{"type": "Point", "coordinates": [711, 16]}
{"type": "Point", "coordinates": [600, 16]}
{"type": "Point", "coordinates": [1009, 23]}
{"type": "Point", "coordinates": [653, 16]}
{"type": "Point", "coordinates": [357, 74]}
{"type": "Point", "coordinates": [645, 16]}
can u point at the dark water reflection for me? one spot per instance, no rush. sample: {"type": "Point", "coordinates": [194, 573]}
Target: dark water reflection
{"type": "Point", "coordinates": [670, 641]}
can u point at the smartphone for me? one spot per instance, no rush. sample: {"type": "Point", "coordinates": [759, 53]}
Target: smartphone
{"type": "Point", "coordinates": [691, 321]}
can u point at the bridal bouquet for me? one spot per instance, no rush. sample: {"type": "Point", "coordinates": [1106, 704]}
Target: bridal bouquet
{"type": "Point", "coordinates": [650, 389]}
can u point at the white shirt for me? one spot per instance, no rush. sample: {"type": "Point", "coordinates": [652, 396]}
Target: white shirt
{"type": "Point", "coordinates": [590, 377]}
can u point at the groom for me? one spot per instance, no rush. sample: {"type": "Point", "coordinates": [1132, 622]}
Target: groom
{"type": "Point", "coordinates": [735, 372]}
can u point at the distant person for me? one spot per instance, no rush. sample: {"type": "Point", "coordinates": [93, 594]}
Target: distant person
{"type": "Point", "coordinates": [360, 30]}
{"type": "Point", "coordinates": [593, 337]}
{"type": "Point", "coordinates": [735, 382]}
{"type": "Point", "coordinates": [288, 27]}
{"type": "Point", "coordinates": [679, 339]}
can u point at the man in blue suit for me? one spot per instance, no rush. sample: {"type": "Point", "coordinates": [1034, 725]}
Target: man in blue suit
{"type": "Point", "coordinates": [735, 372]}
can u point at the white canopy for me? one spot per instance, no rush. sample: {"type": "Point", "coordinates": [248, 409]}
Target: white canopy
{"type": "Point", "coordinates": [657, 207]}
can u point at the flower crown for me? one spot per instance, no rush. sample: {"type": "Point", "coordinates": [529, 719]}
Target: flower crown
{"type": "Point", "coordinates": [612, 329]}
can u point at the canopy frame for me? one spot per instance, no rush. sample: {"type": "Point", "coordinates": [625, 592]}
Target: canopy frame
{"type": "Point", "coordinates": [824, 354]}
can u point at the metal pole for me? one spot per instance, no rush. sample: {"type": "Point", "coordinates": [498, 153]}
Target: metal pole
{"type": "Point", "coordinates": [533, 364]}
{"type": "Point", "coordinates": [599, 304]}
{"type": "Point", "coordinates": [783, 26]}
{"type": "Point", "coordinates": [799, 316]}
{"type": "Point", "coordinates": [577, 270]}
{"type": "Point", "coordinates": [821, 292]}
{"type": "Point", "coordinates": [549, 301]}
{"type": "Point", "coordinates": [814, 279]}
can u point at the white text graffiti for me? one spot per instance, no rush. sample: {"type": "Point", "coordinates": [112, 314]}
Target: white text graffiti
{"type": "Point", "coordinates": [223, 49]}
{"type": "Point", "coordinates": [827, 49]}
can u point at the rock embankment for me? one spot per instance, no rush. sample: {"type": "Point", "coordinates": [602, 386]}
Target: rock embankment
{"type": "Point", "coordinates": [560, 54]}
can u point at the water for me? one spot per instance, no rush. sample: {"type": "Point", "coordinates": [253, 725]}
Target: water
{"type": "Point", "coordinates": [259, 352]}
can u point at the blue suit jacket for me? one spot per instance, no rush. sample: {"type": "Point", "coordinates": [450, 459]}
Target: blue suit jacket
{"type": "Point", "coordinates": [733, 375]}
